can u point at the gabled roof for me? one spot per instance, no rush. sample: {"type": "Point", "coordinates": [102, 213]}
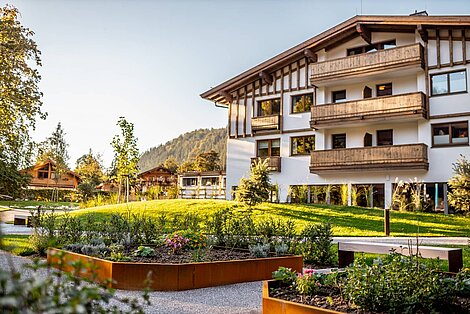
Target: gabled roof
{"type": "Point", "coordinates": [160, 167]}
{"type": "Point", "coordinates": [46, 162]}
{"type": "Point", "coordinates": [339, 33]}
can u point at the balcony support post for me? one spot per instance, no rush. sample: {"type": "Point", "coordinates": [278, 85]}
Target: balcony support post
{"type": "Point", "coordinates": [349, 194]}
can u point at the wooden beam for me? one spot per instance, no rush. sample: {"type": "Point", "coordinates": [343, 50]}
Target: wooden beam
{"type": "Point", "coordinates": [267, 78]}
{"type": "Point", "coordinates": [311, 56]}
{"type": "Point", "coordinates": [298, 74]}
{"type": "Point", "coordinates": [438, 47]}
{"type": "Point", "coordinates": [464, 47]}
{"type": "Point", "coordinates": [252, 106]}
{"type": "Point", "coordinates": [290, 77]}
{"type": "Point", "coordinates": [237, 113]}
{"type": "Point", "coordinates": [245, 105]}
{"type": "Point", "coordinates": [227, 96]}
{"type": "Point", "coordinates": [230, 105]}
{"type": "Point", "coordinates": [364, 32]}
{"type": "Point", "coordinates": [306, 73]}
{"type": "Point", "coordinates": [422, 32]}
{"type": "Point", "coordinates": [451, 48]}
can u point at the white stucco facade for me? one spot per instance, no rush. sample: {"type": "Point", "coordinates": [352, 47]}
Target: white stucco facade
{"type": "Point", "coordinates": [409, 129]}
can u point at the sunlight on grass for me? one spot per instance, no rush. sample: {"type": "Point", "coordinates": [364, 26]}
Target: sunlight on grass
{"type": "Point", "coordinates": [346, 221]}
{"type": "Point", "coordinates": [17, 244]}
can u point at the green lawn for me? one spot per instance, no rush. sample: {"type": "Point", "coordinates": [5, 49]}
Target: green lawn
{"type": "Point", "coordinates": [35, 204]}
{"type": "Point", "coordinates": [17, 244]}
{"type": "Point", "coordinates": [346, 221]}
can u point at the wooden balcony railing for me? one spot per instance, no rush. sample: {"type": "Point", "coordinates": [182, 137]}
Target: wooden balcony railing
{"type": "Point", "coordinates": [398, 157]}
{"type": "Point", "coordinates": [274, 162]}
{"type": "Point", "coordinates": [362, 64]}
{"type": "Point", "coordinates": [409, 106]}
{"type": "Point", "coordinates": [265, 123]}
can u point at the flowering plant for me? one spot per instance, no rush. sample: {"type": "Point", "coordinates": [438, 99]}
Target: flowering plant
{"type": "Point", "coordinates": [309, 282]}
{"type": "Point", "coordinates": [176, 242]}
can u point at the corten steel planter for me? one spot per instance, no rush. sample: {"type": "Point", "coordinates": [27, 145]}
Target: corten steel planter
{"type": "Point", "coordinates": [278, 306]}
{"type": "Point", "coordinates": [174, 277]}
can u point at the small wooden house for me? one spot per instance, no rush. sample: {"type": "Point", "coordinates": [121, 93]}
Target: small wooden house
{"type": "Point", "coordinates": [44, 176]}
{"type": "Point", "coordinates": [203, 185]}
{"type": "Point", "coordinates": [158, 176]}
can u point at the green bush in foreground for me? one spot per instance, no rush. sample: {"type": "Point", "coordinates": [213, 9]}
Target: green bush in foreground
{"type": "Point", "coordinates": [60, 293]}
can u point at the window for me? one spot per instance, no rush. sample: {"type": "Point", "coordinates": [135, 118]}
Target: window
{"type": "Point", "coordinates": [302, 145]}
{"type": "Point", "coordinates": [372, 48]}
{"type": "Point", "coordinates": [449, 83]}
{"type": "Point", "coordinates": [455, 133]}
{"type": "Point", "coordinates": [269, 148]}
{"type": "Point", "coordinates": [384, 89]}
{"type": "Point", "coordinates": [269, 107]}
{"type": "Point", "coordinates": [210, 181]}
{"type": "Point", "coordinates": [384, 137]}
{"type": "Point", "coordinates": [338, 96]}
{"type": "Point", "coordinates": [43, 173]}
{"type": "Point", "coordinates": [189, 181]}
{"type": "Point", "coordinates": [367, 92]}
{"type": "Point", "coordinates": [339, 140]}
{"type": "Point", "coordinates": [301, 103]}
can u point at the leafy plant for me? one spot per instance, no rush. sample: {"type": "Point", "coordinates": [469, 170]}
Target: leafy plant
{"type": "Point", "coordinates": [260, 250]}
{"type": "Point", "coordinates": [144, 251]}
{"type": "Point", "coordinates": [286, 275]}
{"type": "Point", "coordinates": [119, 257]}
{"type": "Point", "coordinates": [459, 195]}
{"type": "Point", "coordinates": [309, 282]}
{"type": "Point", "coordinates": [255, 189]}
{"type": "Point", "coordinates": [176, 242]}
{"type": "Point", "coordinates": [196, 239]}
{"type": "Point", "coordinates": [318, 241]}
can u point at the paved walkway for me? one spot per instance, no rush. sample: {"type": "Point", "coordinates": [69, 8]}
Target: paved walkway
{"type": "Point", "coordinates": [242, 298]}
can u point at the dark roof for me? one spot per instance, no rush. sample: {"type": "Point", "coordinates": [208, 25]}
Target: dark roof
{"type": "Point", "coordinates": [337, 33]}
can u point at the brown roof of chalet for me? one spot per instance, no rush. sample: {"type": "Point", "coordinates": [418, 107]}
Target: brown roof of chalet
{"type": "Point", "coordinates": [45, 162]}
{"type": "Point", "coordinates": [154, 168]}
{"type": "Point", "coordinates": [339, 33]}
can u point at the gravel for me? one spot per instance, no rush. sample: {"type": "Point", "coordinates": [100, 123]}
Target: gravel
{"type": "Point", "coordinates": [230, 299]}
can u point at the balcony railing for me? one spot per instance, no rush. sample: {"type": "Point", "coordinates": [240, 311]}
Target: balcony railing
{"type": "Point", "coordinates": [265, 123]}
{"type": "Point", "coordinates": [398, 157]}
{"type": "Point", "coordinates": [363, 64]}
{"type": "Point", "coordinates": [405, 106]}
{"type": "Point", "coordinates": [274, 162]}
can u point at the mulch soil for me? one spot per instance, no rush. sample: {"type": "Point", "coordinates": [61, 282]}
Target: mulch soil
{"type": "Point", "coordinates": [165, 255]}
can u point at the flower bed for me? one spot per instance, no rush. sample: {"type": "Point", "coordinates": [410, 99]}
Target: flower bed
{"type": "Point", "coordinates": [171, 277]}
{"type": "Point", "coordinates": [396, 284]}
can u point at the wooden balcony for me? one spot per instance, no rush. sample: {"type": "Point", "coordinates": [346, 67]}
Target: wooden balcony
{"type": "Point", "coordinates": [410, 106]}
{"type": "Point", "coordinates": [404, 57]}
{"type": "Point", "coordinates": [394, 157]}
{"type": "Point", "coordinates": [274, 162]}
{"type": "Point", "coordinates": [265, 123]}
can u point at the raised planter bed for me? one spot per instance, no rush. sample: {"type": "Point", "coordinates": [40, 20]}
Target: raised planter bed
{"type": "Point", "coordinates": [173, 277]}
{"type": "Point", "coordinates": [278, 306]}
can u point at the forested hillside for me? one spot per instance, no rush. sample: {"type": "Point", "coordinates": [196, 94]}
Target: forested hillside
{"type": "Point", "coordinates": [186, 146]}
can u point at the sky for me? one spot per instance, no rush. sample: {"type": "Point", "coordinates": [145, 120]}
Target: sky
{"type": "Point", "coordinates": [149, 61]}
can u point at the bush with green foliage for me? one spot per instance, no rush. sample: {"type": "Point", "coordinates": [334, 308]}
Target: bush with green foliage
{"type": "Point", "coordinates": [144, 251]}
{"type": "Point", "coordinates": [317, 245]}
{"type": "Point", "coordinates": [399, 284]}
{"type": "Point", "coordinates": [459, 195]}
{"type": "Point", "coordinates": [60, 292]}
{"type": "Point", "coordinates": [260, 250]}
{"type": "Point", "coordinates": [255, 189]}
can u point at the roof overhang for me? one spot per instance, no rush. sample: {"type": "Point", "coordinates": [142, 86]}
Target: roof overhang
{"type": "Point", "coordinates": [356, 26]}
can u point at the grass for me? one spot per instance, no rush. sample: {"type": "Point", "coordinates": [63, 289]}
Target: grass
{"type": "Point", "coordinates": [34, 204]}
{"type": "Point", "coordinates": [17, 244]}
{"type": "Point", "coordinates": [346, 221]}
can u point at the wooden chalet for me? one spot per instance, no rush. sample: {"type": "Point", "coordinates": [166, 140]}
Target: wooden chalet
{"type": "Point", "coordinates": [158, 176]}
{"type": "Point", "coordinates": [43, 176]}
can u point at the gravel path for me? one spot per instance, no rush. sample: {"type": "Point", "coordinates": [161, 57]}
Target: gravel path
{"type": "Point", "coordinates": [231, 299]}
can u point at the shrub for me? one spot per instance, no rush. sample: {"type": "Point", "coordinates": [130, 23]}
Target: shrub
{"type": "Point", "coordinates": [459, 196]}
{"type": "Point", "coordinates": [196, 239]}
{"type": "Point", "coordinates": [257, 187]}
{"type": "Point", "coordinates": [397, 284]}
{"type": "Point", "coordinates": [317, 246]}
{"type": "Point", "coordinates": [281, 249]}
{"type": "Point", "coordinates": [41, 242]}
{"type": "Point", "coordinates": [260, 250]}
{"type": "Point", "coordinates": [286, 275]}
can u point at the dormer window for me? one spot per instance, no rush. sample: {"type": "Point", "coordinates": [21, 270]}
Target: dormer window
{"type": "Point", "coordinates": [43, 173]}
{"type": "Point", "coordinates": [372, 48]}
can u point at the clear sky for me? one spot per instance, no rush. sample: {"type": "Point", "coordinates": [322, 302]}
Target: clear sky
{"type": "Point", "coordinates": [149, 60]}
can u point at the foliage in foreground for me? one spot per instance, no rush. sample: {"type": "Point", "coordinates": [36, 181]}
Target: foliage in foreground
{"type": "Point", "coordinates": [459, 196]}
{"type": "Point", "coordinates": [59, 292]}
{"type": "Point", "coordinates": [395, 284]}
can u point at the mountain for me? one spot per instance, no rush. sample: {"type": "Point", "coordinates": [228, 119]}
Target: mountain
{"type": "Point", "coordinates": [187, 146]}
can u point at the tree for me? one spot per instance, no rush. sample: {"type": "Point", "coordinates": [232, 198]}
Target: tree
{"type": "Point", "coordinates": [208, 161]}
{"type": "Point", "coordinates": [257, 187]}
{"type": "Point", "coordinates": [171, 164]}
{"type": "Point", "coordinates": [459, 196]}
{"type": "Point", "coordinates": [20, 98]}
{"type": "Point", "coordinates": [126, 155]}
{"type": "Point", "coordinates": [89, 168]}
{"type": "Point", "coordinates": [55, 149]}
